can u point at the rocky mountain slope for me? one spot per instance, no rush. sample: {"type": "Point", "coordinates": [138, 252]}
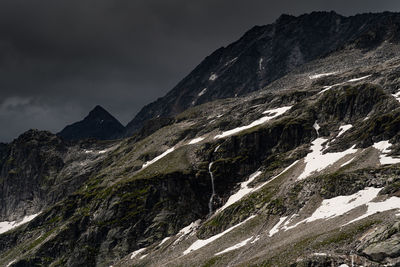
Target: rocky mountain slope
{"type": "Point", "coordinates": [98, 124]}
{"type": "Point", "coordinates": [304, 172]}
{"type": "Point", "coordinates": [267, 53]}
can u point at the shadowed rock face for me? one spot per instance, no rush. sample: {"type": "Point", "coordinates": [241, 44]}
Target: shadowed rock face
{"type": "Point", "coordinates": [266, 53]}
{"type": "Point", "coordinates": [99, 124]}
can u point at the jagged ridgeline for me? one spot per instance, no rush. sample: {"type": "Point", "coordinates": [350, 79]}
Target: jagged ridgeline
{"type": "Point", "coordinates": [288, 156]}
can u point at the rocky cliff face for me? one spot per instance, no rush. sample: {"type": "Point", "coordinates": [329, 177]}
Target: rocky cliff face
{"type": "Point", "coordinates": [304, 172]}
{"type": "Point", "coordinates": [98, 124]}
{"type": "Point", "coordinates": [266, 53]}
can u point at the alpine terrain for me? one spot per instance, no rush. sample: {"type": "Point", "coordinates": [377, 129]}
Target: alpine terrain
{"type": "Point", "coordinates": [281, 149]}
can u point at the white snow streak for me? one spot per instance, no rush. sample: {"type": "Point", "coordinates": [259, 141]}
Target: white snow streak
{"type": "Point", "coordinates": [275, 229]}
{"type": "Point", "coordinates": [196, 140]}
{"type": "Point", "coordinates": [316, 76]}
{"type": "Point", "coordinates": [317, 161]}
{"type": "Point", "coordinates": [326, 88]}
{"type": "Point", "coordinates": [163, 241]}
{"type": "Point", "coordinates": [137, 252]}
{"type": "Point", "coordinates": [383, 146]}
{"type": "Point", "coordinates": [344, 128]}
{"type": "Point", "coordinates": [359, 79]}
{"type": "Point", "coordinates": [397, 96]}
{"type": "Point", "coordinates": [270, 180]}
{"type": "Point", "coordinates": [6, 226]}
{"type": "Point", "coordinates": [201, 243]}
{"type": "Point", "coordinates": [347, 162]}
{"type": "Point", "coordinates": [234, 247]}
{"type": "Point", "coordinates": [243, 191]}
{"type": "Point", "coordinates": [146, 164]}
{"type": "Point", "coordinates": [273, 113]}
{"type": "Point", "coordinates": [202, 92]}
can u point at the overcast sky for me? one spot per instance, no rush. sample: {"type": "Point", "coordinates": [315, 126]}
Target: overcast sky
{"type": "Point", "coordinates": [58, 59]}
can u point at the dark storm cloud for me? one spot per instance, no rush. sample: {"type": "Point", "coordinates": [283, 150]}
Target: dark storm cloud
{"type": "Point", "coordinates": [58, 59]}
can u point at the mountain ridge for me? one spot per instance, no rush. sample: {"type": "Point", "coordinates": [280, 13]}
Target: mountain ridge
{"type": "Point", "coordinates": [250, 65]}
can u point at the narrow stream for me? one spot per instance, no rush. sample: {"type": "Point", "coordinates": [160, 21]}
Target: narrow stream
{"type": "Point", "coordinates": [210, 203]}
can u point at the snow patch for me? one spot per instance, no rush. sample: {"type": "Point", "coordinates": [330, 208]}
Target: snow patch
{"type": "Point", "coordinates": [359, 79]}
{"type": "Point", "coordinates": [7, 226]}
{"type": "Point", "coordinates": [163, 241]}
{"type": "Point", "coordinates": [203, 242]}
{"type": "Point", "coordinates": [260, 67]}
{"type": "Point", "coordinates": [137, 252]}
{"type": "Point", "coordinates": [11, 262]}
{"type": "Point", "coordinates": [273, 113]}
{"type": "Point", "coordinates": [347, 162]}
{"type": "Point", "coordinates": [316, 161]}
{"type": "Point", "coordinates": [339, 205]}
{"type": "Point", "coordinates": [187, 230]}
{"type": "Point", "coordinates": [245, 190]}
{"type": "Point", "coordinates": [383, 147]}
{"type": "Point", "coordinates": [213, 77]}
{"type": "Point", "coordinates": [148, 163]}
{"type": "Point", "coordinates": [316, 76]}
{"type": "Point", "coordinates": [397, 96]}
{"type": "Point", "coordinates": [255, 239]}
{"type": "Point", "coordinates": [320, 254]}
{"type": "Point", "coordinates": [276, 227]}
{"type": "Point", "coordinates": [234, 247]}
{"type": "Point", "coordinates": [375, 207]}
{"type": "Point", "coordinates": [202, 92]}
{"type": "Point", "coordinates": [196, 140]}
{"type": "Point", "coordinates": [344, 128]}
{"type": "Point", "coordinates": [231, 61]}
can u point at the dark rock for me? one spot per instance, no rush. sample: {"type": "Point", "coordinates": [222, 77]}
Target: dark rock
{"type": "Point", "coordinates": [99, 124]}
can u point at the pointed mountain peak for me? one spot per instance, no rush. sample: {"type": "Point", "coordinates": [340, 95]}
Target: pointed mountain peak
{"type": "Point", "coordinates": [98, 124]}
{"type": "Point", "coordinates": [99, 112]}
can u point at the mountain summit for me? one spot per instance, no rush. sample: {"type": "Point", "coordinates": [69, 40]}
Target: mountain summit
{"type": "Point", "coordinates": [98, 124]}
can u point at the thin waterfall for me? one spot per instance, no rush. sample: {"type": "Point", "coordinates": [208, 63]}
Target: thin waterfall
{"type": "Point", "coordinates": [210, 202]}
{"type": "Point", "coordinates": [316, 127]}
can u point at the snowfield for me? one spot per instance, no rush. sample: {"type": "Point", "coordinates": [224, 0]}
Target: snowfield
{"type": "Point", "coordinates": [7, 226]}
{"type": "Point", "coordinates": [316, 161]}
{"type": "Point", "coordinates": [383, 147]}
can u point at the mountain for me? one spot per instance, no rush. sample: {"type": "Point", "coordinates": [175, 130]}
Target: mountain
{"type": "Point", "coordinates": [267, 53]}
{"type": "Point", "coordinates": [303, 172]}
{"type": "Point", "coordinates": [98, 124]}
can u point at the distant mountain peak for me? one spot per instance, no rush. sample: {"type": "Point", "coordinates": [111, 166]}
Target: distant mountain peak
{"type": "Point", "coordinates": [98, 124]}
